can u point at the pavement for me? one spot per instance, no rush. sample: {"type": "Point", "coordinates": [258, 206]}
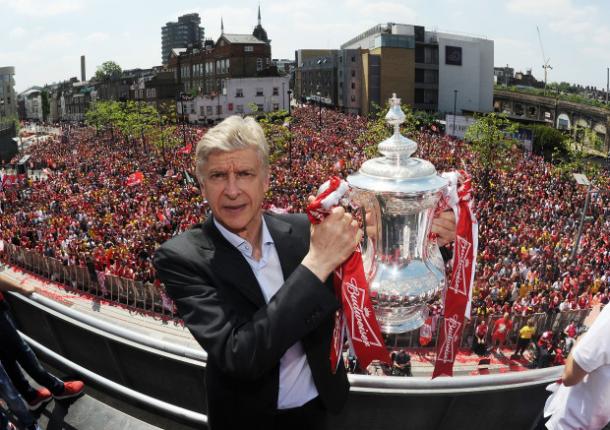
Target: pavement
{"type": "Point", "coordinates": [173, 331]}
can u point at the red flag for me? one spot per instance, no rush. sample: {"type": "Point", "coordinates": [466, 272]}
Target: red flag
{"type": "Point", "coordinates": [135, 179]}
{"type": "Point", "coordinates": [186, 150]}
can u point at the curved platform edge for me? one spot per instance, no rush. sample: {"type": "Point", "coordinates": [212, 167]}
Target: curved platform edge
{"type": "Point", "coordinates": [163, 408]}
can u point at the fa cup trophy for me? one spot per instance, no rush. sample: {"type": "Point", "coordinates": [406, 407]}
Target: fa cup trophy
{"type": "Point", "coordinates": [400, 194]}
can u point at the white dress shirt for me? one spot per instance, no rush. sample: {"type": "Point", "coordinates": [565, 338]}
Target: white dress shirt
{"type": "Point", "coordinates": [296, 382]}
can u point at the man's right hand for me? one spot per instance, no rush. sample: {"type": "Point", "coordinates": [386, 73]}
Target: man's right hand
{"type": "Point", "coordinates": [332, 242]}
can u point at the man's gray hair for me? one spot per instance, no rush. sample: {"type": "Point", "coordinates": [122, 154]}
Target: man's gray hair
{"type": "Point", "coordinates": [232, 134]}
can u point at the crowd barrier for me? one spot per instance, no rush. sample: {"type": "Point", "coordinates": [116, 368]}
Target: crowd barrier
{"type": "Point", "coordinates": [129, 292]}
{"type": "Point", "coordinates": [147, 297]}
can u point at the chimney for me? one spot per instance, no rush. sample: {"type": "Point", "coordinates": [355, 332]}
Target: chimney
{"type": "Point", "coordinates": [83, 77]}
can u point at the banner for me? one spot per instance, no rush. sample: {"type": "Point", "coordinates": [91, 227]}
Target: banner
{"type": "Point", "coordinates": [356, 317]}
{"type": "Point", "coordinates": [459, 292]}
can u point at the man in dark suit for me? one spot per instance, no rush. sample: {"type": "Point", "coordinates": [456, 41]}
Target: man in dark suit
{"type": "Point", "coordinates": [252, 289]}
{"type": "Point", "coordinates": [255, 291]}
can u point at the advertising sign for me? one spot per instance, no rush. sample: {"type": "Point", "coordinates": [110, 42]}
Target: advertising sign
{"type": "Point", "coordinates": [458, 127]}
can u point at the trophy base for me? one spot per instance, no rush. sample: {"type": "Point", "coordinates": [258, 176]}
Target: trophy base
{"type": "Point", "coordinates": [412, 322]}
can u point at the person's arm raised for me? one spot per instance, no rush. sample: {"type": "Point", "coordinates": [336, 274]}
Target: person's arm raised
{"type": "Point", "coordinates": [332, 242]}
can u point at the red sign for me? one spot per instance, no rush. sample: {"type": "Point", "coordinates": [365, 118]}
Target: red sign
{"type": "Point", "coordinates": [230, 106]}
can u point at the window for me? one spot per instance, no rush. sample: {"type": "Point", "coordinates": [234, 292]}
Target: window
{"type": "Point", "coordinates": [353, 58]}
{"type": "Point", "coordinates": [248, 48]}
{"type": "Point", "coordinates": [201, 111]}
{"type": "Point", "coordinates": [353, 98]}
{"type": "Point", "coordinates": [276, 91]}
{"type": "Point", "coordinates": [219, 110]}
{"type": "Point", "coordinates": [259, 92]}
{"type": "Point", "coordinates": [276, 107]}
{"type": "Point", "coordinates": [353, 73]}
{"type": "Point", "coordinates": [208, 110]}
{"type": "Point", "coordinates": [353, 85]}
{"type": "Point", "coordinates": [239, 92]}
{"type": "Point", "coordinates": [239, 108]}
{"type": "Point", "coordinates": [259, 64]}
{"type": "Point", "coordinates": [261, 108]}
{"type": "Point", "coordinates": [453, 55]}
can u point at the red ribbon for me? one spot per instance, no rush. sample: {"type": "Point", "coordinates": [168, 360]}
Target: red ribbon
{"type": "Point", "coordinates": [356, 317]}
{"type": "Point", "coordinates": [458, 295]}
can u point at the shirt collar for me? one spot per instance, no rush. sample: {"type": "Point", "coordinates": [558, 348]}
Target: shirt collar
{"type": "Point", "coordinates": [238, 241]}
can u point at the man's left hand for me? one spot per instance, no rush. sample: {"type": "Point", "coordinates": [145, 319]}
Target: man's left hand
{"type": "Point", "coordinates": [444, 226]}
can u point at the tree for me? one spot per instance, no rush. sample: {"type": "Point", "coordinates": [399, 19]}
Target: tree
{"type": "Point", "coordinates": [491, 140]}
{"type": "Point", "coordinates": [107, 70]}
{"type": "Point", "coordinates": [548, 140]}
{"type": "Point", "coordinates": [163, 137]}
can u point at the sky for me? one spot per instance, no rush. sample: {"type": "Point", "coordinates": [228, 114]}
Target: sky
{"type": "Point", "coordinates": [44, 39]}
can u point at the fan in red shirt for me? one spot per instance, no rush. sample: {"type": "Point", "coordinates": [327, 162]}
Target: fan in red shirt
{"type": "Point", "coordinates": [500, 330]}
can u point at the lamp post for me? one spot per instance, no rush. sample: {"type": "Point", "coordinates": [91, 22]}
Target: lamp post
{"type": "Point", "coordinates": [581, 180]}
{"type": "Point", "coordinates": [454, 110]}
{"type": "Point", "coordinates": [182, 96]}
{"type": "Point", "coordinates": [289, 134]}
{"type": "Point", "coordinates": [319, 110]}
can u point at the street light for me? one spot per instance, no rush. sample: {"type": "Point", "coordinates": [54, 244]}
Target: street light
{"type": "Point", "coordinates": [182, 97]}
{"type": "Point", "coordinates": [454, 109]}
{"type": "Point", "coordinates": [289, 134]}
{"type": "Point", "coordinates": [581, 180]}
{"type": "Point", "coordinates": [320, 110]}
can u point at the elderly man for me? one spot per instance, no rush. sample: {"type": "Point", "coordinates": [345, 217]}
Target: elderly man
{"type": "Point", "coordinates": [255, 290]}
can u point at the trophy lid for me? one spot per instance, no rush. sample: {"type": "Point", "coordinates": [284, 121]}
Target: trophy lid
{"type": "Point", "coordinates": [397, 171]}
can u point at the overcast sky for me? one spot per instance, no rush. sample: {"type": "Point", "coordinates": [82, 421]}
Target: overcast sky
{"type": "Point", "coordinates": [44, 39]}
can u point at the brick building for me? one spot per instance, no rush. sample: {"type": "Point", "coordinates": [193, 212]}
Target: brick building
{"type": "Point", "coordinates": [205, 70]}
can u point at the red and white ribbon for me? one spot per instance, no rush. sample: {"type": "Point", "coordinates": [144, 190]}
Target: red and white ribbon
{"type": "Point", "coordinates": [458, 295]}
{"type": "Point", "coordinates": [356, 318]}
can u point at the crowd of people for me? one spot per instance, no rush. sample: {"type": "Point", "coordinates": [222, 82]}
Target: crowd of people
{"type": "Point", "coordinates": [87, 208]}
{"type": "Point", "coordinates": [100, 202]}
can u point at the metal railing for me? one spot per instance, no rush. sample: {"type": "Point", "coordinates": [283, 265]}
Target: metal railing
{"type": "Point", "coordinates": [555, 322]}
{"type": "Point", "coordinates": [136, 294]}
{"type": "Point", "coordinates": [150, 299]}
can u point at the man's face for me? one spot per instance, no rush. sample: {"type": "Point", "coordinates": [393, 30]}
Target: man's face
{"type": "Point", "coordinates": [234, 183]}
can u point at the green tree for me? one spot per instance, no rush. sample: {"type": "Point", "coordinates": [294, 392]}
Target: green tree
{"type": "Point", "coordinates": [163, 135]}
{"type": "Point", "coordinates": [548, 140]}
{"type": "Point", "coordinates": [107, 70]}
{"type": "Point", "coordinates": [491, 140]}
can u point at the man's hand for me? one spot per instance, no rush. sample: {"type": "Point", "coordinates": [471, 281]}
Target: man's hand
{"type": "Point", "coordinates": [9, 284]}
{"type": "Point", "coordinates": [444, 226]}
{"type": "Point", "coordinates": [332, 242]}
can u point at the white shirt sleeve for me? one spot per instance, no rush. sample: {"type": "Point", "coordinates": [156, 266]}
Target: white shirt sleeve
{"type": "Point", "coordinates": [593, 350]}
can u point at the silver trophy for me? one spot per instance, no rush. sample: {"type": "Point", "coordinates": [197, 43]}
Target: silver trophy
{"type": "Point", "coordinates": [403, 267]}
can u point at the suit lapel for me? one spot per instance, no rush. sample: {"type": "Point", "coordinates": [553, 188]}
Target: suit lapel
{"type": "Point", "coordinates": [229, 264]}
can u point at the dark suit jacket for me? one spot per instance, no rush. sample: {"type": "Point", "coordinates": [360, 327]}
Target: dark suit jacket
{"type": "Point", "coordinates": [218, 297]}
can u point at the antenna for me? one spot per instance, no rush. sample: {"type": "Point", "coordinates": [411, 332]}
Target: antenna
{"type": "Point", "coordinates": [546, 66]}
